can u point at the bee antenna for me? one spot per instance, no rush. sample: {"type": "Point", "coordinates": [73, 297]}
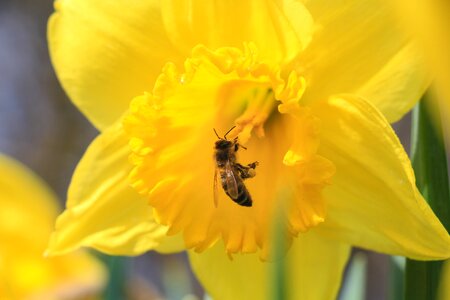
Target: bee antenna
{"type": "Point", "coordinates": [225, 136]}
{"type": "Point", "coordinates": [216, 133]}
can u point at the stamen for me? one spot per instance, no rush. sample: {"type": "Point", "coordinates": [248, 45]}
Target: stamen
{"type": "Point", "coordinates": [259, 108]}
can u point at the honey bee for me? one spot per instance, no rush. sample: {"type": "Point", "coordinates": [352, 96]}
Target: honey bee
{"type": "Point", "coordinates": [232, 173]}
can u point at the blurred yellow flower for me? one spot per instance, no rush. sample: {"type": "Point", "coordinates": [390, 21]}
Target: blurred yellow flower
{"type": "Point", "coordinates": [311, 88]}
{"type": "Point", "coordinates": [28, 211]}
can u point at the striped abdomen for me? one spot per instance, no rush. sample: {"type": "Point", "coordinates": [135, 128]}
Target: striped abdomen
{"type": "Point", "coordinates": [243, 197]}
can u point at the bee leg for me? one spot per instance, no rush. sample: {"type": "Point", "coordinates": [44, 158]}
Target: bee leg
{"type": "Point", "coordinates": [240, 168]}
{"type": "Point", "coordinates": [253, 165]}
{"type": "Point", "coordinates": [246, 171]}
{"type": "Point", "coordinates": [249, 166]}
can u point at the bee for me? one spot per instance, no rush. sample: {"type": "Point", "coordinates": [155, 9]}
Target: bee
{"type": "Point", "coordinates": [232, 173]}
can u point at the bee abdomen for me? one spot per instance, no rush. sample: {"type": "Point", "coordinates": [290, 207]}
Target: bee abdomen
{"type": "Point", "coordinates": [243, 198]}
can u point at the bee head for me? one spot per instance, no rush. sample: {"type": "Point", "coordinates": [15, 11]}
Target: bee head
{"type": "Point", "coordinates": [223, 144]}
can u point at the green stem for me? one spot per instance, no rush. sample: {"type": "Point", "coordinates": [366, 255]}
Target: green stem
{"type": "Point", "coordinates": [430, 165]}
{"type": "Point", "coordinates": [280, 271]}
{"type": "Point", "coordinates": [115, 287]}
{"type": "Point", "coordinates": [280, 267]}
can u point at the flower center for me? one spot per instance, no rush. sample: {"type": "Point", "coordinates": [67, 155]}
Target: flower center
{"type": "Point", "coordinates": [175, 156]}
{"type": "Point", "coordinates": [258, 110]}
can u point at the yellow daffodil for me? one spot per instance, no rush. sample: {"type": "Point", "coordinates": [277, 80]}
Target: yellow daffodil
{"type": "Point", "coordinates": [28, 210]}
{"type": "Point", "coordinates": [311, 87]}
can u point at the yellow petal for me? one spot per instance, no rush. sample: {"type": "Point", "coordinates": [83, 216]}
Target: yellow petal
{"type": "Point", "coordinates": [305, 138]}
{"type": "Point", "coordinates": [373, 202]}
{"type": "Point", "coordinates": [429, 23]}
{"type": "Point", "coordinates": [280, 30]}
{"type": "Point", "coordinates": [19, 189]}
{"type": "Point", "coordinates": [358, 47]}
{"type": "Point", "coordinates": [26, 220]}
{"type": "Point", "coordinates": [28, 275]}
{"type": "Point", "coordinates": [106, 52]}
{"type": "Point", "coordinates": [397, 86]}
{"type": "Point", "coordinates": [314, 268]}
{"type": "Point", "coordinates": [103, 211]}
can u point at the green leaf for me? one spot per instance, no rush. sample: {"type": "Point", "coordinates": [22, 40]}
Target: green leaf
{"type": "Point", "coordinates": [430, 165]}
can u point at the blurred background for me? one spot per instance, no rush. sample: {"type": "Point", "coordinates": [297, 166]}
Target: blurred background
{"type": "Point", "coordinates": [40, 127]}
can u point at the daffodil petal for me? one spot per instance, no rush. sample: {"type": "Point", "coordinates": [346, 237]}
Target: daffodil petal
{"type": "Point", "coordinates": [103, 211]}
{"type": "Point", "coordinates": [396, 87]}
{"type": "Point", "coordinates": [314, 268]}
{"type": "Point", "coordinates": [358, 47]}
{"type": "Point", "coordinates": [373, 202]}
{"type": "Point", "coordinates": [106, 52]}
{"type": "Point", "coordinates": [19, 189]}
{"type": "Point", "coordinates": [279, 29]}
{"type": "Point", "coordinates": [28, 211]}
{"type": "Point", "coordinates": [31, 276]}
{"type": "Point", "coordinates": [171, 244]}
{"type": "Point", "coordinates": [428, 21]}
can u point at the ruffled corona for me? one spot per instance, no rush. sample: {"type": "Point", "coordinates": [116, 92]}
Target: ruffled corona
{"type": "Point", "coordinates": [171, 136]}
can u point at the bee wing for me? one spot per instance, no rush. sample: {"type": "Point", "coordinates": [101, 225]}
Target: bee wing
{"type": "Point", "coordinates": [215, 188]}
{"type": "Point", "coordinates": [230, 180]}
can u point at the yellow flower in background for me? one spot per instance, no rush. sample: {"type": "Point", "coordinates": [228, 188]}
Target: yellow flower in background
{"type": "Point", "coordinates": [28, 210]}
{"type": "Point", "coordinates": [311, 88]}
